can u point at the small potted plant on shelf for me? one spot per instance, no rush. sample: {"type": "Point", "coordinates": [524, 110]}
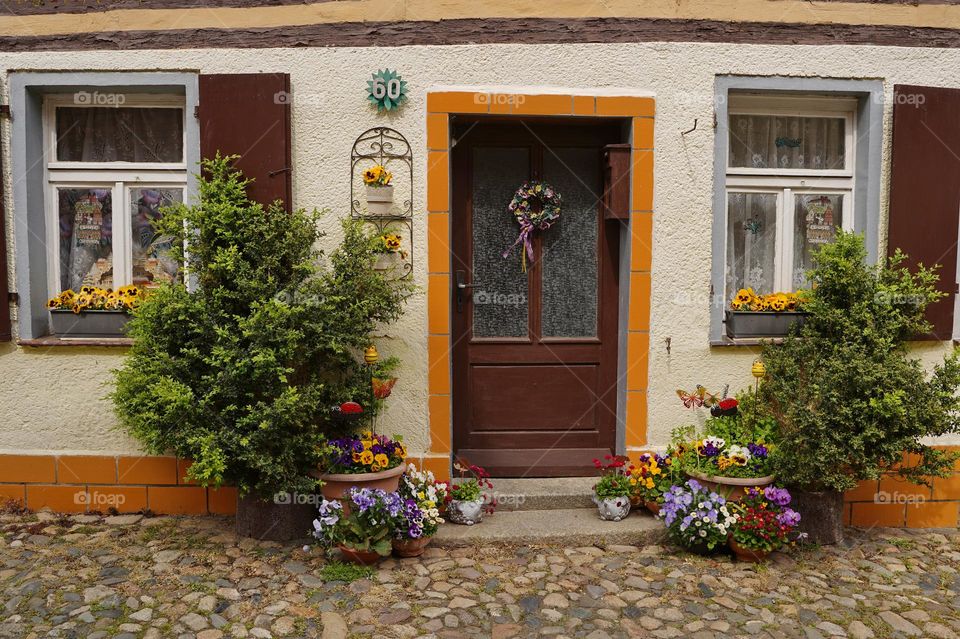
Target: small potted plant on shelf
{"type": "Point", "coordinates": [389, 251]}
{"type": "Point", "coordinates": [773, 315]}
{"type": "Point", "coordinates": [612, 492]}
{"type": "Point", "coordinates": [379, 190]}
{"type": "Point", "coordinates": [765, 523]}
{"type": "Point", "coordinates": [363, 532]}
{"type": "Point", "coordinates": [697, 519]}
{"type": "Point", "coordinates": [366, 460]}
{"type": "Point", "coordinates": [650, 478]}
{"type": "Point", "coordinates": [93, 312]}
{"type": "Point", "coordinates": [466, 503]}
{"type": "Point", "coordinates": [420, 519]}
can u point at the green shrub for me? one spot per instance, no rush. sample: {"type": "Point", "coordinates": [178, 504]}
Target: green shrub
{"type": "Point", "coordinates": [239, 372]}
{"type": "Point", "coordinates": [848, 397]}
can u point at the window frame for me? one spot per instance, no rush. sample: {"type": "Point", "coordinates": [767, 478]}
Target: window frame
{"type": "Point", "coordinates": [870, 98]}
{"type": "Point", "coordinates": [119, 177]}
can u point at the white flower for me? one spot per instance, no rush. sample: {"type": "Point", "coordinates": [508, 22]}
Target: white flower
{"type": "Point", "coordinates": [706, 520]}
{"type": "Point", "coordinates": [719, 442]}
{"type": "Point", "coordinates": [739, 451]}
{"type": "Point", "coordinates": [703, 533]}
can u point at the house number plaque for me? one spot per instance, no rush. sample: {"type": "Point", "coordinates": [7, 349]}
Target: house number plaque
{"type": "Point", "coordinates": [387, 90]}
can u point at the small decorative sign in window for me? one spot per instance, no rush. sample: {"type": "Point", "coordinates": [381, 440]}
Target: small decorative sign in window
{"type": "Point", "coordinates": [387, 90]}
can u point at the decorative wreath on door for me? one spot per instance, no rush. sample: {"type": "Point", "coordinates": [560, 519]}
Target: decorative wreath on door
{"type": "Point", "coordinates": [536, 206]}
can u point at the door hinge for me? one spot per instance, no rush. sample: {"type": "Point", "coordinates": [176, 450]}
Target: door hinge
{"type": "Point", "coordinates": [196, 111]}
{"type": "Point", "coordinates": [13, 297]}
{"type": "Point", "coordinates": [5, 111]}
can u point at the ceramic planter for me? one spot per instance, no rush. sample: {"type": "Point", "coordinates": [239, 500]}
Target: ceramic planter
{"type": "Point", "coordinates": [66, 323]}
{"type": "Point", "coordinates": [747, 554]}
{"type": "Point", "coordinates": [701, 548]}
{"type": "Point", "coordinates": [821, 515]}
{"type": "Point", "coordinates": [613, 508]}
{"type": "Point", "coordinates": [410, 547]}
{"type": "Point", "coordinates": [362, 557]}
{"type": "Point", "coordinates": [336, 485]}
{"type": "Point", "coordinates": [386, 262]}
{"type": "Point", "coordinates": [379, 199]}
{"type": "Point", "coordinates": [467, 513]}
{"type": "Point", "coordinates": [762, 324]}
{"type": "Point", "coordinates": [730, 488]}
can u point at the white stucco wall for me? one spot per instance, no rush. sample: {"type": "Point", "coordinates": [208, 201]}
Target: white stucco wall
{"type": "Point", "coordinates": [49, 398]}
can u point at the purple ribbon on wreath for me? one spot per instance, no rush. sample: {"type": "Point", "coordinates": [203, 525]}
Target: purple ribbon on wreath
{"type": "Point", "coordinates": [526, 229]}
{"type": "Point", "coordinates": [544, 203]}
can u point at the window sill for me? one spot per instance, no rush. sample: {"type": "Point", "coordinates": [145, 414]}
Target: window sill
{"type": "Point", "coordinates": [53, 340]}
{"type": "Point", "coordinates": [745, 341]}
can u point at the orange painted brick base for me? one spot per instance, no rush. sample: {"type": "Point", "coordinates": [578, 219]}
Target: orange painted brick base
{"type": "Point", "coordinates": [99, 483]}
{"type": "Point", "coordinates": [893, 502]}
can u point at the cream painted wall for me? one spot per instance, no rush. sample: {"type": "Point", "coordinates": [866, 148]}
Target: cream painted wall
{"type": "Point", "coordinates": [48, 399]}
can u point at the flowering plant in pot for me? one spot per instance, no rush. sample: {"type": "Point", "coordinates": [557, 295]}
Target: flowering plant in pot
{"type": "Point", "coordinates": [93, 311]}
{"type": "Point", "coordinates": [466, 502]}
{"type": "Point", "coordinates": [765, 523]}
{"type": "Point", "coordinates": [698, 519]}
{"type": "Point", "coordinates": [364, 532]}
{"type": "Point", "coordinates": [413, 533]}
{"type": "Point", "coordinates": [612, 491]}
{"type": "Point", "coordinates": [849, 397]}
{"type": "Point", "coordinates": [379, 189]}
{"type": "Point", "coordinates": [368, 460]}
{"type": "Point", "coordinates": [389, 251]}
{"type": "Point", "coordinates": [650, 478]}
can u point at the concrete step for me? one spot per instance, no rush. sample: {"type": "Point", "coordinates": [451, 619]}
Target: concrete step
{"type": "Point", "coordinates": [567, 526]}
{"type": "Point", "coordinates": [544, 494]}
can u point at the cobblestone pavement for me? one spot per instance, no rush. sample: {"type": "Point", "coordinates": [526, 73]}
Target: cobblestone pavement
{"type": "Point", "coordinates": [83, 576]}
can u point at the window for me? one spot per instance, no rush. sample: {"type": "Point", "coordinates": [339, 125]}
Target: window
{"type": "Point", "coordinates": [113, 161]}
{"type": "Point", "coordinates": [789, 186]}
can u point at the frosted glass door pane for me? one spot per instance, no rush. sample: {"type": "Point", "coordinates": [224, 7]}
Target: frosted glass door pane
{"type": "Point", "coordinates": [816, 217]}
{"type": "Point", "coordinates": [500, 296]}
{"type": "Point", "coordinates": [787, 142]}
{"type": "Point", "coordinates": [569, 259]}
{"type": "Point", "coordinates": [86, 237]}
{"type": "Point", "coordinates": [152, 264]}
{"type": "Point", "coordinates": [751, 234]}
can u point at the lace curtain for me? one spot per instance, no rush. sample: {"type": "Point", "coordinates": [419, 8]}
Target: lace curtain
{"type": "Point", "coordinates": [122, 134]}
{"type": "Point", "coordinates": [787, 142]}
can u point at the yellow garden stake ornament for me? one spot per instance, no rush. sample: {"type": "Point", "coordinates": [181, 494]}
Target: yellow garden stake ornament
{"type": "Point", "coordinates": [370, 356]}
{"type": "Point", "coordinates": [759, 371]}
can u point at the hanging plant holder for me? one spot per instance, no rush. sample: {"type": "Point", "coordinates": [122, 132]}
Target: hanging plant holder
{"type": "Point", "coordinates": [387, 200]}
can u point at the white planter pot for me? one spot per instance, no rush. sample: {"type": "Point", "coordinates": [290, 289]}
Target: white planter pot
{"type": "Point", "coordinates": [379, 199]}
{"type": "Point", "coordinates": [613, 508]}
{"type": "Point", "coordinates": [465, 512]}
{"type": "Point", "coordinates": [387, 262]}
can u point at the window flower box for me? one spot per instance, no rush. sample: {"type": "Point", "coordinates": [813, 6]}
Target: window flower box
{"type": "Point", "coordinates": [66, 323]}
{"type": "Point", "coordinates": [742, 324]}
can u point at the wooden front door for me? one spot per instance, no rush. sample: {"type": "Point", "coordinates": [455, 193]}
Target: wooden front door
{"type": "Point", "coordinates": [535, 352]}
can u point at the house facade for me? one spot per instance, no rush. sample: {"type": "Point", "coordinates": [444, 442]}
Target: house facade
{"type": "Point", "coordinates": [698, 148]}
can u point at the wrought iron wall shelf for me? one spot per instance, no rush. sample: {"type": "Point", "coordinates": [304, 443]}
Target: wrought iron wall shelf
{"type": "Point", "coordinates": [388, 148]}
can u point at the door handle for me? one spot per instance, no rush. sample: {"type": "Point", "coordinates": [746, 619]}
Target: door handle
{"type": "Point", "coordinates": [461, 286]}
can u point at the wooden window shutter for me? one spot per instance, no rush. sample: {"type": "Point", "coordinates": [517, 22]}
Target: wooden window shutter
{"type": "Point", "coordinates": [925, 189]}
{"type": "Point", "coordinates": [249, 114]}
{"type": "Point", "coordinates": [5, 333]}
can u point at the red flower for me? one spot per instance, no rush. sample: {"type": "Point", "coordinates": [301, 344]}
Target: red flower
{"type": "Point", "coordinates": [351, 408]}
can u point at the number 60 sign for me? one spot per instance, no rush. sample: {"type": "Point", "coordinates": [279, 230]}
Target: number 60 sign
{"type": "Point", "coordinates": [387, 90]}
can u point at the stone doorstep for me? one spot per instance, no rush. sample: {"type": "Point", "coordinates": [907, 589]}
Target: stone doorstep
{"type": "Point", "coordinates": [568, 526]}
{"type": "Point", "coordinates": [544, 494]}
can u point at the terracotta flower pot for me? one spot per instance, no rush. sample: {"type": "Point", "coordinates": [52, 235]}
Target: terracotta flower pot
{"type": "Point", "coordinates": [731, 488]}
{"type": "Point", "coordinates": [747, 554]}
{"type": "Point", "coordinates": [362, 557]}
{"type": "Point", "coordinates": [410, 547]}
{"type": "Point", "coordinates": [336, 485]}
{"type": "Point", "coordinates": [652, 506]}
